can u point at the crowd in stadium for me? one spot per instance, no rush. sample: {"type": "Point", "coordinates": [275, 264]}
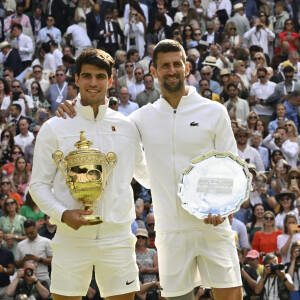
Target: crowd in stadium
{"type": "Point", "coordinates": [244, 55]}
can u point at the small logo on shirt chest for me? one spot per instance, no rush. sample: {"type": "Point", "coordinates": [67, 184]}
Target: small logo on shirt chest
{"type": "Point", "coordinates": [113, 128]}
{"type": "Point", "coordinates": [194, 124]}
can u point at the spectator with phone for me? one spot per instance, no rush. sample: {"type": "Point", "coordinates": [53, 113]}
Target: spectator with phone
{"type": "Point", "coordinates": [293, 181]}
{"type": "Point", "coordinates": [293, 268]}
{"type": "Point", "coordinates": [26, 282]}
{"type": "Point", "coordinates": [291, 233]}
{"type": "Point", "coordinates": [280, 141]}
{"type": "Point", "coordinates": [35, 248]}
{"type": "Point", "coordinates": [291, 103]}
{"type": "Point", "coordinates": [280, 118]}
{"type": "Point", "coordinates": [290, 35]}
{"type": "Point", "coordinates": [286, 87]}
{"type": "Point", "coordinates": [17, 97]}
{"type": "Point", "coordinates": [286, 206]}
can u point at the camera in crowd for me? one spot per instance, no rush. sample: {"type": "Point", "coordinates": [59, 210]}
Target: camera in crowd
{"type": "Point", "coordinates": [275, 267]}
{"type": "Point", "coordinates": [28, 272]}
{"type": "Point", "coordinates": [16, 95]}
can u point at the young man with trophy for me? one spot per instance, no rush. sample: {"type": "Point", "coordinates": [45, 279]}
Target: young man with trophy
{"type": "Point", "coordinates": [197, 180]}
{"type": "Point", "coordinates": [83, 170]}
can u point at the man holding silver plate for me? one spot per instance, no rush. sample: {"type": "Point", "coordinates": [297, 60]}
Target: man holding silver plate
{"type": "Point", "coordinates": [95, 155]}
{"type": "Point", "coordinates": [196, 181]}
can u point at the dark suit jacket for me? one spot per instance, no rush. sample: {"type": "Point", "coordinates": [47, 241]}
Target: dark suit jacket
{"type": "Point", "coordinates": [13, 61]}
{"type": "Point", "coordinates": [59, 11]}
{"type": "Point", "coordinates": [32, 21]}
{"type": "Point", "coordinates": [91, 25]}
{"type": "Point", "coordinates": [101, 30]}
{"type": "Point", "coordinates": [216, 37]}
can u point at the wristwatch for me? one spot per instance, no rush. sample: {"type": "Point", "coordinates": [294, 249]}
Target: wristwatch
{"type": "Point", "coordinates": [35, 282]}
{"type": "Point", "coordinates": [285, 279]}
{"type": "Point", "coordinates": [40, 260]}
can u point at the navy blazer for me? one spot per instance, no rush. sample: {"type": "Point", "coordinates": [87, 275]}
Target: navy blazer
{"type": "Point", "coordinates": [13, 61]}
{"type": "Point", "coordinates": [101, 30]}
{"type": "Point", "coordinates": [91, 25]}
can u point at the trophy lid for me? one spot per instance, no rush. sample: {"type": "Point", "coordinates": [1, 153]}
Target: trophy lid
{"type": "Point", "coordinates": [83, 143]}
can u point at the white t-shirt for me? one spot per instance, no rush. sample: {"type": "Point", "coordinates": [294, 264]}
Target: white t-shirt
{"type": "Point", "coordinates": [6, 101]}
{"type": "Point", "coordinates": [79, 36]}
{"type": "Point", "coordinates": [281, 240]}
{"type": "Point", "coordinates": [263, 91]}
{"type": "Point", "coordinates": [279, 218]}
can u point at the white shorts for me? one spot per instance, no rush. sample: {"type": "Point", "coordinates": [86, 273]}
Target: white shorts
{"type": "Point", "coordinates": [115, 268]}
{"type": "Point", "coordinates": [212, 252]}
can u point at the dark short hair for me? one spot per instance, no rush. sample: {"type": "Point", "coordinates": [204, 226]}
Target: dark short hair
{"type": "Point", "coordinates": [19, 26]}
{"type": "Point", "coordinates": [29, 223]}
{"type": "Point", "coordinates": [148, 75]}
{"type": "Point", "coordinates": [231, 85]}
{"type": "Point", "coordinates": [262, 70]}
{"type": "Point", "coordinates": [73, 85]}
{"type": "Point", "coordinates": [46, 47]}
{"type": "Point", "coordinates": [165, 46]}
{"type": "Point", "coordinates": [17, 106]}
{"type": "Point", "coordinates": [130, 52]}
{"type": "Point", "coordinates": [68, 59]}
{"type": "Point", "coordinates": [96, 57]}
{"type": "Point", "coordinates": [288, 69]}
{"type": "Point", "coordinates": [281, 127]}
{"type": "Point", "coordinates": [37, 66]}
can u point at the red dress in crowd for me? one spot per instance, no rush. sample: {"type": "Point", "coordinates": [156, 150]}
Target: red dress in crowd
{"type": "Point", "coordinates": [263, 242]}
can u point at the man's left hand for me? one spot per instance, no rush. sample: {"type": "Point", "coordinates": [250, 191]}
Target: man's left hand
{"type": "Point", "coordinates": [214, 220]}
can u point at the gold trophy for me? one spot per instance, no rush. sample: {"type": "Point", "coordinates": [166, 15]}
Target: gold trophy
{"type": "Point", "coordinates": [86, 171]}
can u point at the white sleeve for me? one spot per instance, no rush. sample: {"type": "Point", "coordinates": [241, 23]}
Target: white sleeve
{"type": "Point", "coordinates": [43, 174]}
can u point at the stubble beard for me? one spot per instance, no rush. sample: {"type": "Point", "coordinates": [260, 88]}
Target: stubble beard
{"type": "Point", "coordinates": [174, 88]}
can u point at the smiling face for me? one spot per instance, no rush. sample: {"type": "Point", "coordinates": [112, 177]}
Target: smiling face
{"type": "Point", "coordinates": [259, 211]}
{"type": "Point", "coordinates": [171, 71]}
{"type": "Point", "coordinates": [93, 83]}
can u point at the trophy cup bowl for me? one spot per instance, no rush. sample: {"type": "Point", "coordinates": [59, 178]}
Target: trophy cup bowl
{"type": "Point", "coordinates": [86, 171]}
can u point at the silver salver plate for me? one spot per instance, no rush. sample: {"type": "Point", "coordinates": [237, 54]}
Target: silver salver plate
{"type": "Point", "coordinates": [216, 183]}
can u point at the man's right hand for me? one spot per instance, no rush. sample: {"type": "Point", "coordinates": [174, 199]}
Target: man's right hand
{"type": "Point", "coordinates": [66, 107]}
{"type": "Point", "coordinates": [73, 217]}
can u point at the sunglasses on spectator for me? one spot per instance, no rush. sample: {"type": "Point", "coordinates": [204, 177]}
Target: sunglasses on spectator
{"type": "Point", "coordinates": [288, 124]}
{"type": "Point", "coordinates": [288, 77]}
{"type": "Point", "coordinates": [242, 136]}
{"type": "Point", "coordinates": [232, 28]}
{"type": "Point", "coordinates": [38, 71]}
{"type": "Point", "coordinates": [257, 58]}
{"type": "Point", "coordinates": [17, 152]}
{"type": "Point", "coordinates": [197, 34]}
{"type": "Point", "coordinates": [253, 117]}
{"type": "Point", "coordinates": [60, 74]}
{"type": "Point", "coordinates": [185, 4]}
{"type": "Point", "coordinates": [10, 203]}
{"type": "Point", "coordinates": [51, 77]}
{"type": "Point", "coordinates": [15, 86]}
{"type": "Point", "coordinates": [129, 66]}
{"type": "Point", "coordinates": [141, 237]}
{"type": "Point", "coordinates": [138, 73]}
{"type": "Point", "coordinates": [289, 23]}
{"type": "Point", "coordinates": [261, 77]}
{"type": "Point", "coordinates": [151, 224]}
{"type": "Point", "coordinates": [5, 183]}
{"type": "Point", "coordinates": [204, 74]}
{"type": "Point", "coordinates": [34, 88]}
{"type": "Point", "coordinates": [209, 29]}
{"type": "Point", "coordinates": [285, 199]}
{"type": "Point", "coordinates": [148, 81]}
{"type": "Point", "coordinates": [269, 218]}
{"type": "Point", "coordinates": [294, 177]}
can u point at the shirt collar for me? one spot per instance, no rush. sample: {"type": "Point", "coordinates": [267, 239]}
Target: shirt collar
{"type": "Point", "coordinates": [87, 111]}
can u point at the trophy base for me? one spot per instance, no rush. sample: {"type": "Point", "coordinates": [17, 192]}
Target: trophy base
{"type": "Point", "coordinates": [92, 219]}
